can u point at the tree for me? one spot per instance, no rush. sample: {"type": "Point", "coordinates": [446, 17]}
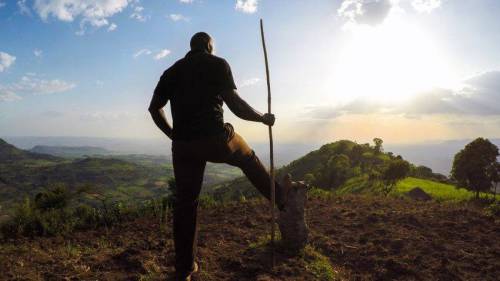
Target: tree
{"type": "Point", "coordinates": [309, 178]}
{"type": "Point", "coordinates": [378, 145]}
{"type": "Point", "coordinates": [335, 172]}
{"type": "Point", "coordinates": [396, 170]}
{"type": "Point", "coordinates": [356, 154]}
{"type": "Point", "coordinates": [494, 174]}
{"type": "Point", "coordinates": [474, 166]}
{"type": "Point", "coordinates": [423, 172]}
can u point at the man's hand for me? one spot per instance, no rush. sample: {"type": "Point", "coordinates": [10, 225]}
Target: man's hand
{"type": "Point", "coordinates": [268, 119]}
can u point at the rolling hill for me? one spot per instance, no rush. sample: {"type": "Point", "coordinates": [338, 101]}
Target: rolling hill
{"type": "Point", "coordinates": [342, 166]}
{"type": "Point", "coordinates": [118, 177]}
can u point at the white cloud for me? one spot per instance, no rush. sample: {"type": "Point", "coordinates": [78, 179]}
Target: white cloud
{"type": "Point", "coordinates": [142, 52]}
{"type": "Point", "coordinates": [137, 14]}
{"type": "Point", "coordinates": [39, 86]}
{"type": "Point", "coordinates": [2, 4]}
{"type": "Point", "coordinates": [249, 82]}
{"type": "Point", "coordinates": [31, 84]}
{"type": "Point", "coordinates": [37, 52]}
{"type": "Point", "coordinates": [186, 1]}
{"type": "Point", "coordinates": [178, 17]}
{"type": "Point", "coordinates": [370, 12]}
{"type": "Point", "coordinates": [23, 8]}
{"type": "Point", "coordinates": [478, 96]}
{"type": "Point", "coordinates": [112, 27]}
{"type": "Point", "coordinates": [246, 6]}
{"type": "Point", "coordinates": [425, 6]}
{"type": "Point", "coordinates": [7, 95]}
{"type": "Point", "coordinates": [92, 12]}
{"type": "Point", "coordinates": [6, 61]}
{"type": "Point", "coordinates": [161, 54]}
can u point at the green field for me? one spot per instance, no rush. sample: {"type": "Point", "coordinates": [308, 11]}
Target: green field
{"type": "Point", "coordinates": [439, 191]}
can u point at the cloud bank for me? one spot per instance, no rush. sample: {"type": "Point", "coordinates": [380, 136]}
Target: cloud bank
{"type": "Point", "coordinates": [479, 95]}
{"type": "Point", "coordinates": [32, 85]}
{"type": "Point", "coordinates": [374, 12]}
{"type": "Point", "coordinates": [92, 12]}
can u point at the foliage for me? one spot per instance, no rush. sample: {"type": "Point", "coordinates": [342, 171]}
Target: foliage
{"type": "Point", "coordinates": [494, 209]}
{"type": "Point", "coordinates": [378, 145]}
{"type": "Point", "coordinates": [207, 201]}
{"type": "Point", "coordinates": [475, 167]}
{"type": "Point", "coordinates": [343, 167]}
{"type": "Point", "coordinates": [117, 177]}
{"type": "Point", "coordinates": [394, 172]}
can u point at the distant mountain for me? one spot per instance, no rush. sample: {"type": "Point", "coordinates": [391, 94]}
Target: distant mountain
{"type": "Point", "coordinates": [435, 155]}
{"type": "Point", "coordinates": [10, 153]}
{"type": "Point", "coordinates": [284, 152]}
{"type": "Point", "coordinates": [117, 145]}
{"type": "Point", "coordinates": [70, 151]}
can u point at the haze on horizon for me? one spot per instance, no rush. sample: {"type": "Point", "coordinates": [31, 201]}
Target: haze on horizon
{"type": "Point", "coordinates": [406, 71]}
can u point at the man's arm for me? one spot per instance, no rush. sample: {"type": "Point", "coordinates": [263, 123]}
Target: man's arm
{"type": "Point", "coordinates": [159, 101]}
{"type": "Point", "coordinates": [243, 110]}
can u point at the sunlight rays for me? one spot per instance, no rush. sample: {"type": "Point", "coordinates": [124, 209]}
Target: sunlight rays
{"type": "Point", "coordinates": [390, 62]}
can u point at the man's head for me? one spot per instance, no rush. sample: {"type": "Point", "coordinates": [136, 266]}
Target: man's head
{"type": "Point", "coordinates": [202, 41]}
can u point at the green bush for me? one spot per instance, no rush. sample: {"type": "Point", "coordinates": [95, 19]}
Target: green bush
{"type": "Point", "coordinates": [50, 214]}
{"type": "Point", "coordinates": [56, 198]}
{"type": "Point", "coordinates": [207, 201]}
{"type": "Point", "coordinates": [494, 208]}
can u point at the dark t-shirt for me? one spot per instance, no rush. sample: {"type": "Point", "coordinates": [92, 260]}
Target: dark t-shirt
{"type": "Point", "coordinates": [193, 85]}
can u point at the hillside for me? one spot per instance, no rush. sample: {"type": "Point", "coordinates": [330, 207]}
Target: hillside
{"type": "Point", "coordinates": [10, 154]}
{"type": "Point", "coordinates": [118, 177]}
{"type": "Point", "coordinates": [342, 166]}
{"type": "Point", "coordinates": [352, 238]}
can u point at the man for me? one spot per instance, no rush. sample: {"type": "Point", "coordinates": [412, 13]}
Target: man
{"type": "Point", "coordinates": [197, 86]}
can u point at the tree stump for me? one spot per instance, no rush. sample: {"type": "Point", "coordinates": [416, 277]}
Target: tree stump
{"type": "Point", "coordinates": [291, 221]}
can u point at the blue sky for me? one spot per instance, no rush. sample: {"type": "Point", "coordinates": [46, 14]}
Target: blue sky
{"type": "Point", "coordinates": [403, 70]}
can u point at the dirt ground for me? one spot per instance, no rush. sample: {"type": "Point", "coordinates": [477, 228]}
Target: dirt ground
{"type": "Point", "coordinates": [360, 238]}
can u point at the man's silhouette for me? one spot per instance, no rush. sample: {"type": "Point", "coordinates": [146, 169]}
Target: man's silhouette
{"type": "Point", "coordinates": [197, 86]}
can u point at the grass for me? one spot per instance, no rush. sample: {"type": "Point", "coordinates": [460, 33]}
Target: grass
{"type": "Point", "coordinates": [438, 191]}
{"type": "Point", "coordinates": [314, 262]}
{"type": "Point", "coordinates": [319, 265]}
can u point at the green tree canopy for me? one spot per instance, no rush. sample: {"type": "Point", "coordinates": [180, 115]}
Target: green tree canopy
{"type": "Point", "coordinates": [378, 145]}
{"type": "Point", "coordinates": [395, 171]}
{"type": "Point", "coordinates": [475, 166]}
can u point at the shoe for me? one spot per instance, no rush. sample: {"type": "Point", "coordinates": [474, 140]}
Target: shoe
{"type": "Point", "coordinates": [291, 221]}
{"type": "Point", "coordinates": [188, 277]}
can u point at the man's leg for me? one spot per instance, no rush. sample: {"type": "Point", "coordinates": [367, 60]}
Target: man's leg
{"type": "Point", "coordinates": [188, 171]}
{"type": "Point", "coordinates": [244, 157]}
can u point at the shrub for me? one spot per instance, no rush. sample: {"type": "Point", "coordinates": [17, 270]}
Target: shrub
{"type": "Point", "coordinates": [207, 201]}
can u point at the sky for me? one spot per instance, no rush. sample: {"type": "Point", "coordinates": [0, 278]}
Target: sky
{"type": "Point", "coordinates": [407, 71]}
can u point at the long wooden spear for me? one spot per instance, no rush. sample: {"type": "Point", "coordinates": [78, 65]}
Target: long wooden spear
{"type": "Point", "coordinates": [271, 152]}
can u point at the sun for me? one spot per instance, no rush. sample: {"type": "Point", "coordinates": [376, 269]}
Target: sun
{"type": "Point", "coordinates": [389, 63]}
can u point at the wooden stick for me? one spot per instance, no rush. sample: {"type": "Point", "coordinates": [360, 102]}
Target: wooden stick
{"type": "Point", "coordinates": [271, 152]}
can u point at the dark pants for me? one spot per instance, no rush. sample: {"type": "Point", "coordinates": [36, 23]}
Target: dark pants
{"type": "Point", "coordinates": [189, 160]}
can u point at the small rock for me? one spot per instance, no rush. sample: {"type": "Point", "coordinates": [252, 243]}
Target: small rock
{"type": "Point", "coordinates": [418, 194]}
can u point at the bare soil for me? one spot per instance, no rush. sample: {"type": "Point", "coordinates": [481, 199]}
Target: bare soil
{"type": "Point", "coordinates": [363, 238]}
